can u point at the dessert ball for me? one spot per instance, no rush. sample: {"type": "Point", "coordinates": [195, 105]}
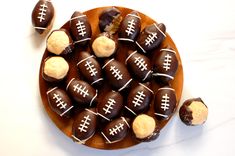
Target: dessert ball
{"type": "Point", "coordinates": [109, 20]}
{"type": "Point", "coordinates": [144, 128]}
{"type": "Point", "coordinates": [104, 45]}
{"type": "Point", "coordinates": [193, 112]}
{"type": "Point", "coordinates": [55, 69]}
{"type": "Point", "coordinates": [42, 16]}
{"type": "Point", "coordinates": [59, 42]}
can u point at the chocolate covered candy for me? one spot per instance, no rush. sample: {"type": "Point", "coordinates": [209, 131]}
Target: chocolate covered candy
{"type": "Point", "coordinates": [117, 74]}
{"type": "Point", "coordinates": [165, 103]}
{"type": "Point", "coordinates": [139, 66]}
{"type": "Point", "coordinates": [90, 68]}
{"type": "Point", "coordinates": [60, 42]}
{"type": "Point", "coordinates": [151, 37]}
{"type": "Point", "coordinates": [116, 130]}
{"type": "Point", "coordinates": [80, 28]}
{"type": "Point", "coordinates": [59, 101]}
{"type": "Point", "coordinates": [139, 99]}
{"type": "Point", "coordinates": [165, 65]}
{"type": "Point", "coordinates": [145, 128]}
{"type": "Point", "coordinates": [82, 92]}
{"type": "Point", "coordinates": [193, 112]}
{"type": "Point", "coordinates": [130, 27]}
{"type": "Point", "coordinates": [42, 16]}
{"type": "Point", "coordinates": [109, 20]}
{"type": "Point", "coordinates": [84, 126]}
{"type": "Point", "coordinates": [104, 45]}
{"type": "Point", "coordinates": [55, 69]}
{"type": "Point", "coordinates": [110, 106]}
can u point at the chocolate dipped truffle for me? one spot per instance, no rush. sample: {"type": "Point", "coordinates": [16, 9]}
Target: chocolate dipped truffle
{"type": "Point", "coordinates": [109, 20]}
{"type": "Point", "coordinates": [42, 16]}
{"type": "Point", "coordinates": [84, 126]}
{"type": "Point", "coordinates": [60, 42]}
{"type": "Point", "coordinates": [139, 65]}
{"type": "Point", "coordinates": [193, 112]}
{"type": "Point", "coordinates": [151, 37]}
{"type": "Point", "coordinates": [59, 101]}
{"type": "Point", "coordinates": [80, 28]}
{"type": "Point", "coordinates": [164, 103]}
{"type": "Point", "coordinates": [55, 68]}
{"type": "Point", "coordinates": [104, 45]}
{"type": "Point", "coordinates": [165, 65]}
{"type": "Point", "coordinates": [130, 27]}
{"type": "Point", "coordinates": [145, 128]}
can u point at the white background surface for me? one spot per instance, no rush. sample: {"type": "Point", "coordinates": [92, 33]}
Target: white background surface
{"type": "Point", "coordinates": [204, 32]}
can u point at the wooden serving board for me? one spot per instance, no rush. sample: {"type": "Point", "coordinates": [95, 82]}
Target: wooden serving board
{"type": "Point", "coordinates": [65, 125]}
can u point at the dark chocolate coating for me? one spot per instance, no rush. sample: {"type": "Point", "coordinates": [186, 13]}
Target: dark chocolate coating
{"type": "Point", "coordinates": [116, 130]}
{"type": "Point", "coordinates": [117, 74]}
{"type": "Point", "coordinates": [150, 38]}
{"type": "Point", "coordinates": [140, 66]}
{"type": "Point", "coordinates": [107, 17]}
{"type": "Point", "coordinates": [84, 125]}
{"type": "Point", "coordinates": [80, 28]}
{"type": "Point", "coordinates": [164, 103]}
{"type": "Point", "coordinates": [42, 15]}
{"type": "Point", "coordinates": [130, 27]}
{"type": "Point", "coordinates": [59, 102]}
{"type": "Point", "coordinates": [90, 68]}
{"type": "Point", "coordinates": [186, 114]}
{"type": "Point", "coordinates": [82, 92]}
{"type": "Point", "coordinates": [152, 137]}
{"type": "Point", "coordinates": [165, 65]}
{"type": "Point", "coordinates": [110, 106]}
{"type": "Point", "coordinates": [139, 99]}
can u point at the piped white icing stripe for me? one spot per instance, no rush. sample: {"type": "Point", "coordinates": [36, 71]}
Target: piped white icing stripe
{"type": "Point", "coordinates": [40, 28]}
{"type": "Point", "coordinates": [97, 81]}
{"type": "Point", "coordinates": [93, 98]}
{"type": "Point", "coordinates": [168, 50]}
{"type": "Point", "coordinates": [91, 111]}
{"type": "Point", "coordinates": [130, 56]}
{"type": "Point", "coordinates": [162, 115]}
{"type": "Point", "coordinates": [140, 47]}
{"type": "Point", "coordinates": [131, 110]}
{"type": "Point", "coordinates": [120, 89]}
{"type": "Point", "coordinates": [82, 40]}
{"type": "Point", "coordinates": [103, 117]}
{"type": "Point", "coordinates": [166, 88]}
{"type": "Point", "coordinates": [107, 63]}
{"type": "Point", "coordinates": [125, 122]}
{"type": "Point", "coordinates": [146, 87]}
{"type": "Point", "coordinates": [69, 83]}
{"type": "Point", "coordinates": [147, 75]}
{"type": "Point", "coordinates": [85, 59]}
{"type": "Point", "coordinates": [51, 90]}
{"type": "Point", "coordinates": [66, 111]}
{"type": "Point", "coordinates": [78, 140]}
{"type": "Point", "coordinates": [106, 137]}
{"type": "Point", "coordinates": [159, 30]}
{"type": "Point", "coordinates": [165, 75]}
{"type": "Point", "coordinates": [125, 39]}
{"type": "Point", "coordinates": [77, 17]}
{"type": "Point", "coordinates": [134, 15]}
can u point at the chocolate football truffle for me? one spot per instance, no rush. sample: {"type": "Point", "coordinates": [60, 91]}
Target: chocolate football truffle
{"type": "Point", "coordinates": [151, 37]}
{"type": "Point", "coordinates": [104, 45]}
{"type": "Point", "coordinates": [59, 101]}
{"type": "Point", "coordinates": [130, 27]}
{"type": "Point", "coordinates": [42, 16]}
{"type": "Point", "coordinates": [165, 65]}
{"type": "Point", "coordinates": [55, 69]}
{"type": "Point", "coordinates": [193, 112]}
{"type": "Point", "coordinates": [80, 28]}
{"type": "Point", "coordinates": [145, 128]}
{"type": "Point", "coordinates": [59, 42]}
{"type": "Point", "coordinates": [84, 126]}
{"type": "Point", "coordinates": [109, 20]}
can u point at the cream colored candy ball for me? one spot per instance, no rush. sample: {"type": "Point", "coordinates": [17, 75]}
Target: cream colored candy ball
{"type": "Point", "coordinates": [103, 46]}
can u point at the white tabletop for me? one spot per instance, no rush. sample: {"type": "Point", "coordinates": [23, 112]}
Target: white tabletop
{"type": "Point", "coordinates": [204, 32]}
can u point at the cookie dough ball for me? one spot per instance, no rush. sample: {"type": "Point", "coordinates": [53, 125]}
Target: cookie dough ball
{"type": "Point", "coordinates": [145, 128]}
{"type": "Point", "coordinates": [60, 42]}
{"type": "Point", "coordinates": [104, 45]}
{"type": "Point", "coordinates": [55, 69]}
{"type": "Point", "coordinates": [193, 112]}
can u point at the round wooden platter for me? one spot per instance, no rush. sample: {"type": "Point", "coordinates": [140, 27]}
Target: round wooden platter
{"type": "Point", "coordinates": [65, 125]}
